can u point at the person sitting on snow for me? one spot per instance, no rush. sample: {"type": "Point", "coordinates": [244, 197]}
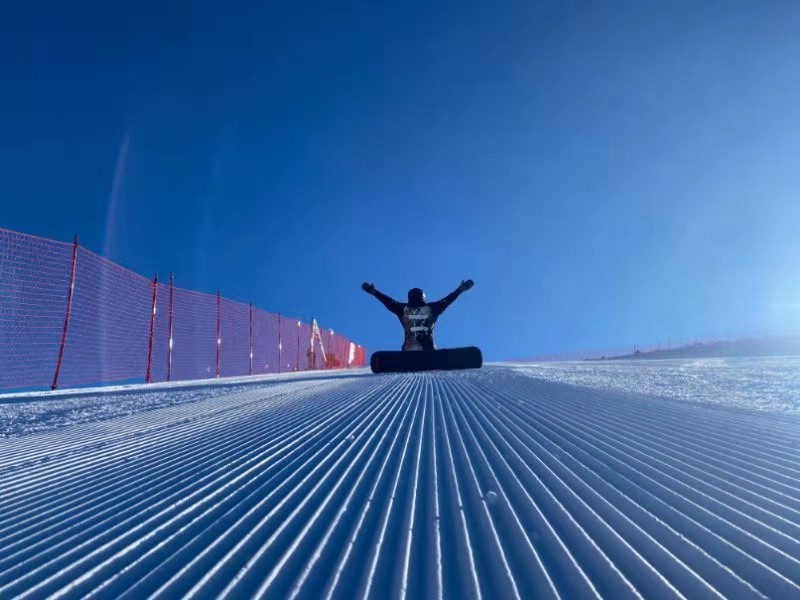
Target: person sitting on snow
{"type": "Point", "coordinates": [418, 316]}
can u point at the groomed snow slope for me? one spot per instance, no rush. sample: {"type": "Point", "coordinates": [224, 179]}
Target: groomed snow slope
{"type": "Point", "coordinates": [490, 483]}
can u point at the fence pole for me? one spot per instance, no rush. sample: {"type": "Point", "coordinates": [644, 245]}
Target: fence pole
{"type": "Point", "coordinates": [152, 330]}
{"type": "Point", "coordinates": [69, 311]}
{"type": "Point", "coordinates": [297, 368]}
{"type": "Point", "coordinates": [310, 352]}
{"type": "Point", "coordinates": [280, 344]}
{"type": "Point", "coordinates": [169, 347]}
{"type": "Point", "coordinates": [219, 329]}
{"type": "Point", "coordinates": [251, 338]}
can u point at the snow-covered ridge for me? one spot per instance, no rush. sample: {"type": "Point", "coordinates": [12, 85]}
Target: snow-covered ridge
{"type": "Point", "coordinates": [22, 414]}
{"type": "Point", "coordinates": [492, 483]}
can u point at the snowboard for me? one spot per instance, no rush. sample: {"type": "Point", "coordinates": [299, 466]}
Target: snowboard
{"type": "Point", "coordinates": [446, 359]}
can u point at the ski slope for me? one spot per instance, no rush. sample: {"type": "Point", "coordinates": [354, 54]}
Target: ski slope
{"type": "Point", "coordinates": [499, 483]}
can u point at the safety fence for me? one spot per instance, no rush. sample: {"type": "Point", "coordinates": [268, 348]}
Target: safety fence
{"type": "Point", "coordinates": [69, 317]}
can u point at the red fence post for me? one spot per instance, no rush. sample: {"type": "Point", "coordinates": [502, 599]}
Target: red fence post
{"type": "Point", "coordinates": [251, 338]}
{"type": "Point", "coordinates": [169, 347]}
{"type": "Point", "coordinates": [69, 311]}
{"type": "Point", "coordinates": [297, 368]}
{"type": "Point", "coordinates": [152, 330]}
{"type": "Point", "coordinates": [219, 329]}
{"type": "Point", "coordinates": [280, 344]}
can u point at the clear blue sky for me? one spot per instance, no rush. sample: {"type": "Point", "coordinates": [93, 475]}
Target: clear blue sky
{"type": "Point", "coordinates": [608, 173]}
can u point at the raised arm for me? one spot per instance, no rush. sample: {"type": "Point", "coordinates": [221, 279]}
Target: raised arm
{"type": "Point", "coordinates": [441, 305]}
{"type": "Point", "coordinates": [390, 303]}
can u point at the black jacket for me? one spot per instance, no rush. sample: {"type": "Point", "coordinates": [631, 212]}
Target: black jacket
{"type": "Point", "coordinates": [418, 320]}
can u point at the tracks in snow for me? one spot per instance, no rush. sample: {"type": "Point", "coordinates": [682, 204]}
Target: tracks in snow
{"type": "Point", "coordinates": [477, 484]}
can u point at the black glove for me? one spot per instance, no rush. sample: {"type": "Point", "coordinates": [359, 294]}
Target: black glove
{"type": "Point", "coordinates": [466, 284]}
{"type": "Point", "coordinates": [369, 288]}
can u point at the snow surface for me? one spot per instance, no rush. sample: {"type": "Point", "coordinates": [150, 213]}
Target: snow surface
{"type": "Point", "coordinates": [769, 383]}
{"type": "Point", "coordinates": [496, 483]}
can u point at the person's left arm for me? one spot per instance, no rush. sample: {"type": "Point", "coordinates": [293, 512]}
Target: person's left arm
{"type": "Point", "coordinates": [393, 305]}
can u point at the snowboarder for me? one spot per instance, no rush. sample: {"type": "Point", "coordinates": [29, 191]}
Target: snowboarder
{"type": "Point", "coordinates": [418, 316]}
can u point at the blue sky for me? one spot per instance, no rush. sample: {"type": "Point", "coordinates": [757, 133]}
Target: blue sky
{"type": "Point", "coordinates": [608, 173]}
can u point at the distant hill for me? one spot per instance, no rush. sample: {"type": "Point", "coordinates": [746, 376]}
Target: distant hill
{"type": "Point", "coordinates": [760, 346]}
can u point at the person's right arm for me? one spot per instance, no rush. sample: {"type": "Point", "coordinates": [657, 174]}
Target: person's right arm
{"type": "Point", "coordinates": [440, 306]}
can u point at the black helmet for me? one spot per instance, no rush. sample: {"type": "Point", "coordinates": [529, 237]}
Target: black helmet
{"type": "Point", "coordinates": [416, 297]}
